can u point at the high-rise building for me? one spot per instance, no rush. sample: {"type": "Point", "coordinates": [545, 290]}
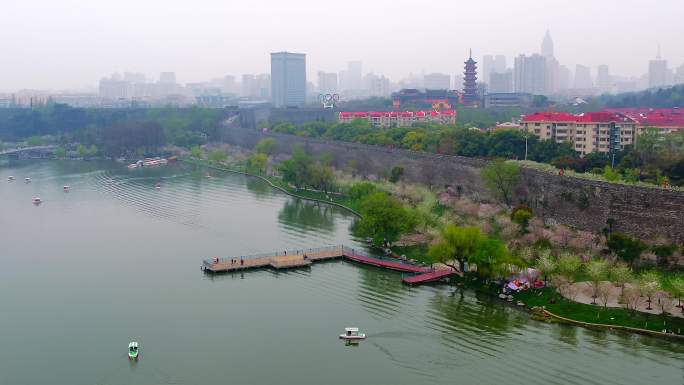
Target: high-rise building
{"type": "Point", "coordinates": [327, 82]}
{"type": "Point", "coordinates": [501, 82]}
{"type": "Point", "coordinates": [470, 90]}
{"type": "Point", "coordinates": [114, 88]}
{"type": "Point", "coordinates": [679, 75]}
{"type": "Point", "coordinates": [530, 74]}
{"type": "Point", "coordinates": [377, 85]}
{"type": "Point", "coordinates": [657, 72]}
{"type": "Point", "coordinates": [436, 81]}
{"type": "Point", "coordinates": [583, 77]}
{"type": "Point", "coordinates": [288, 79]}
{"type": "Point", "coordinates": [547, 45]}
{"type": "Point", "coordinates": [563, 78]}
{"type": "Point", "coordinates": [487, 67]}
{"type": "Point", "coordinates": [603, 78]}
{"type": "Point", "coordinates": [256, 86]}
{"type": "Point", "coordinates": [167, 78]}
{"type": "Point", "coordinates": [351, 78]}
{"type": "Point", "coordinates": [458, 82]}
{"type": "Point", "coordinates": [492, 64]}
{"type": "Point", "coordinates": [134, 77]}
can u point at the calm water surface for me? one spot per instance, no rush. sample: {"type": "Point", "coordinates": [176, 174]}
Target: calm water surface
{"type": "Point", "coordinates": [115, 260]}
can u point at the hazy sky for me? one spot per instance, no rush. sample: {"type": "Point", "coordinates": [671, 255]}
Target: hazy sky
{"type": "Point", "coordinates": [73, 43]}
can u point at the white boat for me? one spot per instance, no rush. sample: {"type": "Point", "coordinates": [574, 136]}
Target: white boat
{"type": "Point", "coordinates": [27, 180]}
{"type": "Point", "coordinates": [158, 185]}
{"type": "Point", "coordinates": [133, 350]}
{"type": "Point", "coordinates": [352, 334]}
{"type": "Point", "coordinates": [157, 161]}
{"type": "Point", "coordinates": [37, 201]}
{"type": "Point", "coordinates": [67, 188]}
{"type": "Point", "coordinates": [10, 178]}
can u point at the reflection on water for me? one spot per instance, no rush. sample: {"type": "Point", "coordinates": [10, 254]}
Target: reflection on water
{"type": "Point", "coordinates": [307, 216]}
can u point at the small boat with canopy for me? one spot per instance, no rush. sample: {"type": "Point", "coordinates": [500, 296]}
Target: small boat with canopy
{"type": "Point", "coordinates": [133, 350]}
{"type": "Point", "coordinates": [352, 334]}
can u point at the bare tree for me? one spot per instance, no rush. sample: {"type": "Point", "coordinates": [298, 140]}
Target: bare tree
{"type": "Point", "coordinates": [604, 292]}
{"type": "Point", "coordinates": [631, 296]}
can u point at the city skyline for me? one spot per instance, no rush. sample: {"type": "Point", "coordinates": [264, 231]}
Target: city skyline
{"type": "Point", "coordinates": [211, 39]}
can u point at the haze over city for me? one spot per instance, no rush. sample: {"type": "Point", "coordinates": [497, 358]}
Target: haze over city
{"type": "Point", "coordinates": [72, 44]}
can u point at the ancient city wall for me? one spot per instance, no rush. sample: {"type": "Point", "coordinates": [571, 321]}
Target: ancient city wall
{"type": "Point", "coordinates": [584, 204]}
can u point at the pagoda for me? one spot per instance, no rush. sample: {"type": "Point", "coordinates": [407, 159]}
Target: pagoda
{"type": "Point", "coordinates": [470, 82]}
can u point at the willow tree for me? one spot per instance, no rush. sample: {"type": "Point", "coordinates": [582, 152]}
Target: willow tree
{"type": "Point", "coordinates": [457, 244]}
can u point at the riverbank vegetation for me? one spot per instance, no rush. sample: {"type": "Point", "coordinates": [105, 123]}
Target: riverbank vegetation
{"type": "Point", "coordinates": [621, 277]}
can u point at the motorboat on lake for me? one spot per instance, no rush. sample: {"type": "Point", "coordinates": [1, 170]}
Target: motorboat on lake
{"type": "Point", "coordinates": [37, 200]}
{"type": "Point", "coordinates": [352, 334]}
{"type": "Point", "coordinates": [10, 178]}
{"type": "Point", "coordinates": [27, 180]}
{"type": "Point", "coordinates": [133, 350]}
{"type": "Point", "coordinates": [158, 185]}
{"type": "Point", "coordinates": [135, 165]}
{"type": "Point", "coordinates": [67, 188]}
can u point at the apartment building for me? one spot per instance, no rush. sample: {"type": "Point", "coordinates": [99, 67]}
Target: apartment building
{"type": "Point", "coordinates": [587, 132]}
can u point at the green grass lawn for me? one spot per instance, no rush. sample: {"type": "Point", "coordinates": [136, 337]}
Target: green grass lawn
{"type": "Point", "coordinates": [598, 314]}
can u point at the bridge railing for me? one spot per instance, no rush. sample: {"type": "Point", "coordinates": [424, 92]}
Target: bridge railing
{"type": "Point", "coordinates": [301, 251]}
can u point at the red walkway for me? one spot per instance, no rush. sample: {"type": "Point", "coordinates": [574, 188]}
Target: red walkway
{"type": "Point", "coordinates": [430, 276]}
{"type": "Point", "coordinates": [366, 260]}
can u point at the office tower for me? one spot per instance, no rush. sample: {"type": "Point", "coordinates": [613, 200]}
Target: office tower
{"type": "Point", "coordinates": [436, 81]}
{"type": "Point", "coordinates": [583, 77]}
{"type": "Point", "coordinates": [530, 74]}
{"type": "Point", "coordinates": [288, 79]}
{"type": "Point", "coordinates": [487, 67]}
{"type": "Point", "coordinates": [501, 82]}
{"type": "Point", "coordinates": [327, 82]}
{"type": "Point", "coordinates": [563, 78]}
{"type": "Point", "coordinates": [500, 63]}
{"type": "Point", "coordinates": [134, 77]}
{"type": "Point", "coordinates": [547, 45]}
{"type": "Point", "coordinates": [603, 78]}
{"type": "Point", "coordinates": [377, 85]}
{"type": "Point", "coordinates": [657, 72]}
{"type": "Point", "coordinates": [167, 78]}
{"type": "Point", "coordinates": [256, 86]}
{"type": "Point", "coordinates": [351, 78]}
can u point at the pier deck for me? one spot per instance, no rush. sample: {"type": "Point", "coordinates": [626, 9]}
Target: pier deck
{"type": "Point", "coordinates": [305, 257]}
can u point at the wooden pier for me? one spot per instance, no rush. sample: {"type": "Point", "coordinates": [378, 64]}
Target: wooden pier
{"type": "Point", "coordinates": [289, 259]}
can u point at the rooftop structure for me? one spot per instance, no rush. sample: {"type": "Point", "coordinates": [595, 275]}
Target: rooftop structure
{"type": "Point", "coordinates": [666, 120]}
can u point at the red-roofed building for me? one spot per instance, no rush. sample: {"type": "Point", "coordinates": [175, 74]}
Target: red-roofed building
{"type": "Point", "coordinates": [400, 118]}
{"type": "Point", "coordinates": [588, 132]}
{"type": "Point", "coordinates": [666, 120]}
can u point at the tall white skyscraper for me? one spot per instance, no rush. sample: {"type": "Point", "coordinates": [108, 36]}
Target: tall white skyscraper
{"type": "Point", "coordinates": [288, 79]}
{"type": "Point", "coordinates": [530, 74]}
{"type": "Point", "coordinates": [501, 82]}
{"type": "Point", "coordinates": [327, 82]}
{"type": "Point", "coordinates": [603, 78]}
{"type": "Point", "coordinates": [351, 78]}
{"type": "Point", "coordinates": [167, 78]}
{"type": "Point", "coordinates": [547, 45]}
{"type": "Point", "coordinates": [583, 77]}
{"type": "Point", "coordinates": [657, 72]}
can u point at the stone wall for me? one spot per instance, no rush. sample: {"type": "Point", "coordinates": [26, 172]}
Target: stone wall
{"type": "Point", "coordinates": [584, 204]}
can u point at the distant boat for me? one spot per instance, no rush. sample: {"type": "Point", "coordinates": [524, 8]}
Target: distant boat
{"type": "Point", "coordinates": [27, 180]}
{"type": "Point", "coordinates": [157, 161]}
{"type": "Point", "coordinates": [133, 351]}
{"type": "Point", "coordinates": [10, 178]}
{"type": "Point", "coordinates": [67, 188]}
{"type": "Point", "coordinates": [37, 201]}
{"type": "Point", "coordinates": [352, 334]}
{"type": "Point", "coordinates": [158, 185]}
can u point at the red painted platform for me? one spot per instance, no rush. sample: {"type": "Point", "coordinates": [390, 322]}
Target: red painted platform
{"type": "Point", "coordinates": [366, 260]}
{"type": "Point", "coordinates": [429, 276]}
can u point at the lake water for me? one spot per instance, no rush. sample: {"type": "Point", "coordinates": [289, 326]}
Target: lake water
{"type": "Point", "coordinates": [116, 260]}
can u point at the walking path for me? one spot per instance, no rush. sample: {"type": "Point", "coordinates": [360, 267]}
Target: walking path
{"type": "Point", "coordinates": [584, 293]}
